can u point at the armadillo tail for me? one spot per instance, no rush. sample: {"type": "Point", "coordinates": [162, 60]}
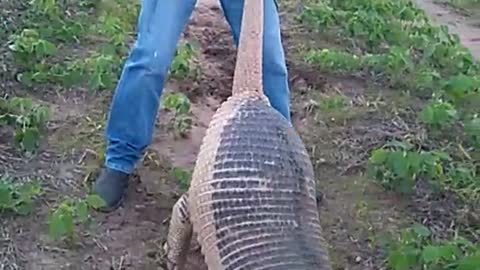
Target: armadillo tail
{"type": "Point", "coordinates": [248, 70]}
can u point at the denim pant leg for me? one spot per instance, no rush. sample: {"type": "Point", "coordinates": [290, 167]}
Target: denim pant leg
{"type": "Point", "coordinates": [275, 75]}
{"type": "Point", "coordinates": [136, 100]}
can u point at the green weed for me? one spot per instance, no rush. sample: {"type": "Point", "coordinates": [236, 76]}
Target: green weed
{"type": "Point", "coordinates": [17, 198]}
{"type": "Point", "coordinates": [28, 119]}
{"type": "Point", "coordinates": [472, 129]}
{"type": "Point", "coordinates": [182, 176]}
{"type": "Point", "coordinates": [49, 8]}
{"type": "Point", "coordinates": [397, 166]}
{"type": "Point", "coordinates": [414, 249]}
{"type": "Point", "coordinates": [30, 48]}
{"type": "Point", "coordinates": [333, 103]}
{"type": "Point", "coordinates": [183, 63]}
{"type": "Point", "coordinates": [334, 60]}
{"type": "Point", "coordinates": [180, 105]}
{"type": "Point", "coordinates": [396, 44]}
{"type": "Point", "coordinates": [396, 39]}
{"type": "Point", "coordinates": [64, 219]}
{"type": "Point", "coordinates": [439, 114]}
{"type": "Point", "coordinates": [52, 22]}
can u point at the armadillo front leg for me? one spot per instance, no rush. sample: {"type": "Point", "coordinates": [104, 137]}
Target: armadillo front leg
{"type": "Point", "coordinates": [179, 235]}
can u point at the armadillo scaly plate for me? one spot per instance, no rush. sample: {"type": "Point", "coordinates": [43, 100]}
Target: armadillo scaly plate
{"type": "Point", "coordinates": [251, 203]}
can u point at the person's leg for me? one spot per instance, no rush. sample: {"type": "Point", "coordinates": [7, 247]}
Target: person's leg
{"type": "Point", "coordinates": [136, 100]}
{"type": "Point", "coordinates": [275, 75]}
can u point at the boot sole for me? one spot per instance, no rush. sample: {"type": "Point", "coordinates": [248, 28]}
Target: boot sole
{"type": "Point", "coordinates": [112, 208]}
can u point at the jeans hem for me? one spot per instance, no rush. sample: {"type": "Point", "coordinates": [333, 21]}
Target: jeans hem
{"type": "Point", "coordinates": [116, 167]}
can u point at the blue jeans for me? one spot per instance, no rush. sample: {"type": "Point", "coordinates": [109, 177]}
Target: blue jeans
{"type": "Point", "coordinates": [136, 100]}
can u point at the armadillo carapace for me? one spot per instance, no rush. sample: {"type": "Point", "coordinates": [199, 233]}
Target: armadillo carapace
{"type": "Point", "coordinates": [252, 200]}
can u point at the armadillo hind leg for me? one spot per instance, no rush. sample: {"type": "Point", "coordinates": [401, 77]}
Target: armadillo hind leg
{"type": "Point", "coordinates": [179, 235]}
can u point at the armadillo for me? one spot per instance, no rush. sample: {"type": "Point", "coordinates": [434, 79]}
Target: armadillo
{"type": "Point", "coordinates": [251, 203]}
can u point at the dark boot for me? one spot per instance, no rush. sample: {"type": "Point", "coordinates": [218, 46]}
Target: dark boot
{"type": "Point", "coordinates": [111, 186]}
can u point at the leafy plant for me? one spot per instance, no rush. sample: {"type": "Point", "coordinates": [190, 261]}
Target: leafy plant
{"type": "Point", "coordinates": [113, 27]}
{"type": "Point", "coordinates": [336, 60]}
{"type": "Point", "coordinates": [64, 219]}
{"type": "Point", "coordinates": [182, 176]}
{"type": "Point", "coordinates": [98, 71]}
{"type": "Point", "coordinates": [397, 40]}
{"type": "Point", "coordinates": [51, 21]}
{"type": "Point", "coordinates": [463, 180]}
{"type": "Point", "coordinates": [66, 31]}
{"type": "Point", "coordinates": [414, 249]}
{"type": "Point", "coordinates": [180, 105]}
{"type": "Point", "coordinates": [48, 8]}
{"type": "Point", "coordinates": [183, 62]}
{"type": "Point", "coordinates": [27, 119]}
{"type": "Point", "coordinates": [29, 47]}
{"type": "Point", "coordinates": [472, 129]}
{"type": "Point", "coordinates": [439, 114]}
{"type": "Point", "coordinates": [394, 43]}
{"type": "Point", "coordinates": [397, 167]}
{"type": "Point", "coordinates": [460, 87]}
{"type": "Point", "coordinates": [17, 197]}
{"type": "Point", "coordinates": [102, 70]}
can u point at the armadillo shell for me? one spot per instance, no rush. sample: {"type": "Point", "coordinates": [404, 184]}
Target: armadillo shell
{"type": "Point", "coordinates": [252, 196]}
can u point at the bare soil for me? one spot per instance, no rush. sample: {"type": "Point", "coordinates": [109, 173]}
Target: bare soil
{"type": "Point", "coordinates": [353, 210]}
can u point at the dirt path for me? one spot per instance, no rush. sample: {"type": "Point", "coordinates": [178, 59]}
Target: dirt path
{"type": "Point", "coordinates": [467, 28]}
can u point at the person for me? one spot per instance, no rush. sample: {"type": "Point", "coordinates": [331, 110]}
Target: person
{"type": "Point", "coordinates": [136, 99]}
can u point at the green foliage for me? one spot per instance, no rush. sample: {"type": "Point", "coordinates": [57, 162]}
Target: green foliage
{"type": "Point", "coordinates": [176, 102]}
{"type": "Point", "coordinates": [397, 166]}
{"type": "Point", "coordinates": [396, 44]}
{"type": "Point", "coordinates": [414, 249]}
{"type": "Point", "coordinates": [464, 180]}
{"type": "Point", "coordinates": [183, 63]}
{"type": "Point", "coordinates": [29, 47]}
{"type": "Point", "coordinates": [64, 219]}
{"type": "Point", "coordinates": [39, 50]}
{"type": "Point", "coordinates": [182, 176]}
{"type": "Point", "coordinates": [27, 118]}
{"type": "Point", "coordinates": [180, 105]}
{"type": "Point", "coordinates": [17, 198]}
{"type": "Point", "coordinates": [336, 60]}
{"type": "Point", "coordinates": [49, 8]}
{"type": "Point", "coordinates": [472, 129]}
{"type": "Point", "coordinates": [319, 15]}
{"type": "Point", "coordinates": [113, 27]}
{"type": "Point", "coordinates": [51, 22]}
{"type": "Point", "coordinates": [97, 71]}
{"type": "Point", "coordinates": [439, 114]}
{"type": "Point", "coordinates": [333, 103]}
